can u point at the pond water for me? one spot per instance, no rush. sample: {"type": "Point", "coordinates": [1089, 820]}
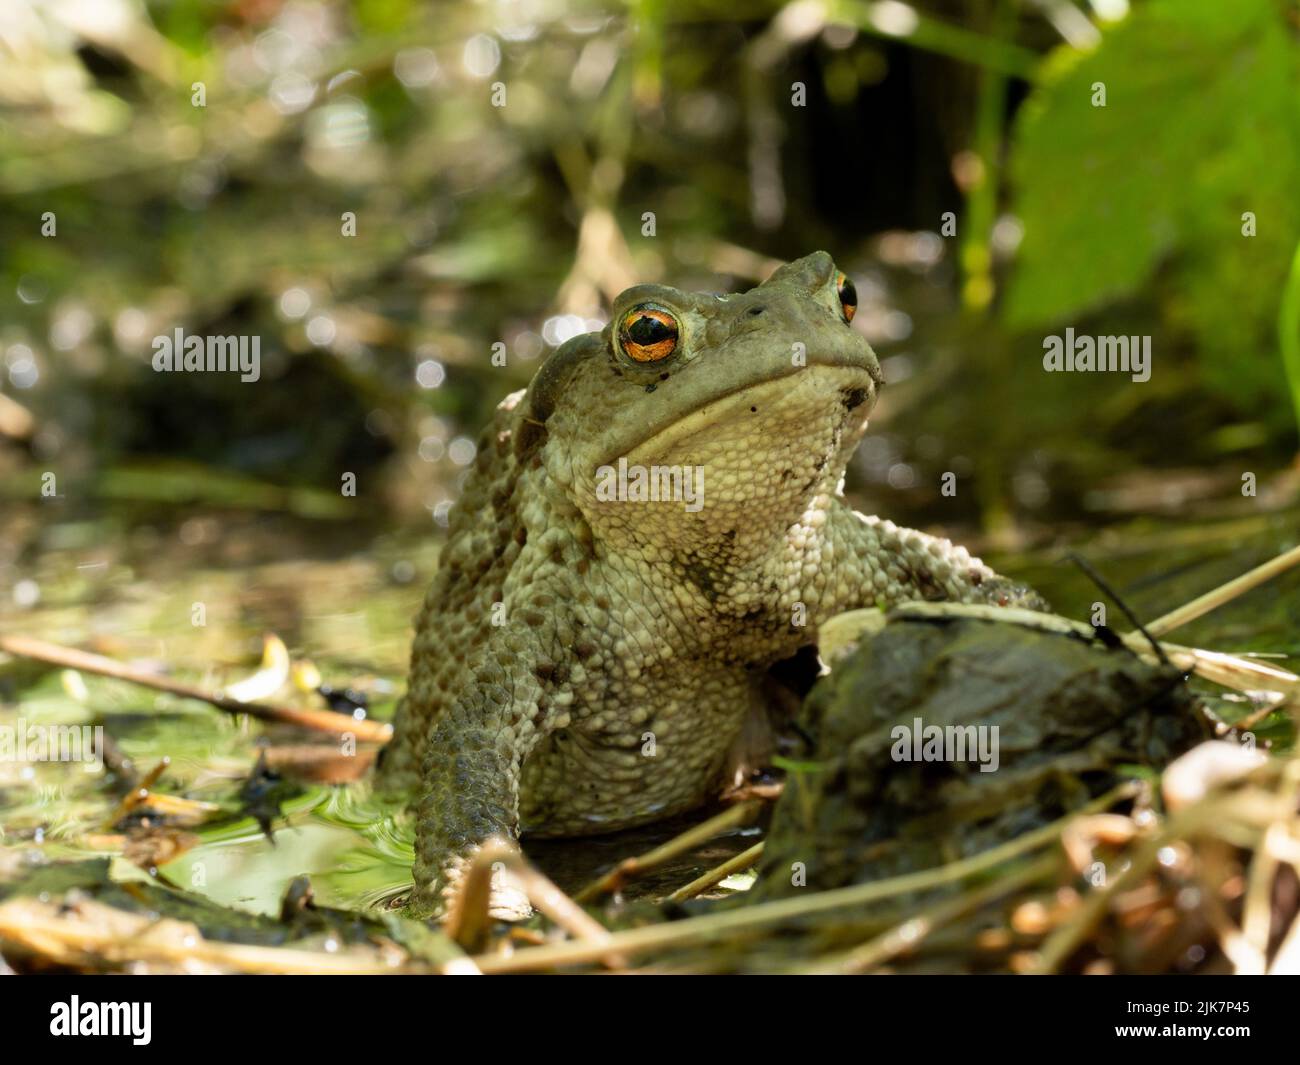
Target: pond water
{"type": "Point", "coordinates": [348, 611]}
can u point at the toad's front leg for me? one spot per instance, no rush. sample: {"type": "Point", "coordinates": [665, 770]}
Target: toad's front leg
{"type": "Point", "coordinates": [877, 563]}
{"type": "Point", "coordinates": [518, 693]}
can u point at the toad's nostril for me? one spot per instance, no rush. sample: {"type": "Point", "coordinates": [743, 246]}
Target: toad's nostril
{"type": "Point", "coordinates": [754, 312]}
{"type": "Point", "coordinates": [854, 397]}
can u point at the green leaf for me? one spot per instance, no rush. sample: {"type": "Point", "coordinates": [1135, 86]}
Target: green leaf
{"type": "Point", "coordinates": [1201, 124]}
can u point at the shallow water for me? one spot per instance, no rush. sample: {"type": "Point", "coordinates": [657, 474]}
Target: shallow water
{"type": "Point", "coordinates": [350, 613]}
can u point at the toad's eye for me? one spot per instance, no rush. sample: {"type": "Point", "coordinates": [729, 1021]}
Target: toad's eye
{"type": "Point", "coordinates": [848, 294]}
{"type": "Point", "coordinates": [648, 334]}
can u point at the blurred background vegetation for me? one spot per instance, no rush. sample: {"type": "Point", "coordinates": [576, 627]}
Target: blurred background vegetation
{"type": "Point", "coordinates": [191, 163]}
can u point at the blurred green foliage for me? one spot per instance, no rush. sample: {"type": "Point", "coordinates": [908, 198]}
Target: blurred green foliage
{"type": "Point", "coordinates": [1200, 126]}
{"type": "Point", "coordinates": [201, 157]}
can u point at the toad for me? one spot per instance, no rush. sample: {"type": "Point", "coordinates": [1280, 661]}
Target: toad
{"type": "Point", "coordinates": [652, 525]}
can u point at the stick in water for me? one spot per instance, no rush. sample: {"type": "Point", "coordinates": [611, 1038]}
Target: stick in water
{"type": "Point", "coordinates": [71, 658]}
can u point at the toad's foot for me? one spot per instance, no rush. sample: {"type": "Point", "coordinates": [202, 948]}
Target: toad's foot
{"type": "Point", "coordinates": [471, 888]}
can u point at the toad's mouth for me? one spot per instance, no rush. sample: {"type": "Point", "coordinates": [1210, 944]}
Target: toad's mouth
{"type": "Point", "coordinates": [827, 391]}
